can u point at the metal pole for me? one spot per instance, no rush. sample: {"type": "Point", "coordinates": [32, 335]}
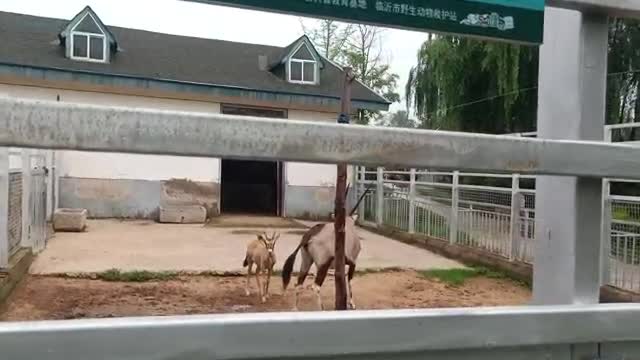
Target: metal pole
{"type": "Point", "coordinates": [27, 213]}
{"type": "Point", "coordinates": [380, 196]}
{"type": "Point", "coordinates": [455, 201]}
{"type": "Point", "coordinates": [573, 68]}
{"type": "Point", "coordinates": [516, 207]}
{"type": "Point", "coordinates": [4, 208]}
{"type": "Point", "coordinates": [412, 202]}
{"type": "Point", "coordinates": [340, 211]}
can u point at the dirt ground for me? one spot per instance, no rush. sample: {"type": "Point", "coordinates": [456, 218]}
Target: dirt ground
{"type": "Point", "coordinates": [146, 245]}
{"type": "Point", "coordinates": [51, 298]}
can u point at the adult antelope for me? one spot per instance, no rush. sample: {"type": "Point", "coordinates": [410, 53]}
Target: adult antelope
{"type": "Point", "coordinates": [261, 253]}
{"type": "Point", "coordinates": [318, 247]}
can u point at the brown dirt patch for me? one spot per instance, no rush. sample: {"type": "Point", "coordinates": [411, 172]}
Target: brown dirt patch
{"type": "Point", "coordinates": [47, 298]}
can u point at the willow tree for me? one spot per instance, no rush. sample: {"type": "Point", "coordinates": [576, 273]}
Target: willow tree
{"type": "Point", "coordinates": [470, 85]}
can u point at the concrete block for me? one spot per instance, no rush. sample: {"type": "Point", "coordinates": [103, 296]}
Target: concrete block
{"type": "Point", "coordinates": [70, 220]}
{"type": "Point", "coordinates": [183, 214]}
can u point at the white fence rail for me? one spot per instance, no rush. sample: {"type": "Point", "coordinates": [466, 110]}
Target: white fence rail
{"type": "Point", "coordinates": [541, 332]}
{"type": "Point", "coordinates": [498, 218]}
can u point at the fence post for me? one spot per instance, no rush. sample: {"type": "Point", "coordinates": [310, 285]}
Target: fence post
{"type": "Point", "coordinates": [4, 208]}
{"type": "Point", "coordinates": [455, 200]}
{"type": "Point", "coordinates": [380, 196]}
{"type": "Point", "coordinates": [607, 219]}
{"type": "Point", "coordinates": [361, 177]}
{"type": "Point", "coordinates": [517, 198]}
{"type": "Point", "coordinates": [27, 213]}
{"type": "Point", "coordinates": [412, 202]}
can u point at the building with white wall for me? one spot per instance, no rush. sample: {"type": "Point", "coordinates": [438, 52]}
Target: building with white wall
{"type": "Point", "coordinates": [85, 61]}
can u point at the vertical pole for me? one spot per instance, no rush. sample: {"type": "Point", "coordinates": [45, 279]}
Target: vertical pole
{"type": "Point", "coordinates": [340, 211]}
{"type": "Point", "coordinates": [516, 206]}
{"type": "Point", "coordinates": [4, 208]}
{"type": "Point", "coordinates": [607, 218]}
{"type": "Point", "coordinates": [412, 202]}
{"type": "Point", "coordinates": [49, 184]}
{"type": "Point", "coordinates": [572, 93]}
{"type": "Point", "coordinates": [27, 213]}
{"type": "Point", "coordinates": [455, 200]}
{"type": "Point", "coordinates": [362, 188]}
{"type": "Point", "coordinates": [379, 196]}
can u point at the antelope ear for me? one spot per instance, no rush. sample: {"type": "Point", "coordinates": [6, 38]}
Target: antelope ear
{"type": "Point", "coordinates": [260, 237]}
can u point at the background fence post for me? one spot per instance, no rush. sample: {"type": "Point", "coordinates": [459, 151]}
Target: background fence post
{"type": "Point", "coordinates": [361, 178]}
{"type": "Point", "coordinates": [607, 219]}
{"type": "Point", "coordinates": [517, 199]}
{"type": "Point", "coordinates": [4, 208]}
{"type": "Point", "coordinates": [27, 211]}
{"type": "Point", "coordinates": [455, 200]}
{"type": "Point", "coordinates": [380, 196]}
{"type": "Point", "coordinates": [412, 202]}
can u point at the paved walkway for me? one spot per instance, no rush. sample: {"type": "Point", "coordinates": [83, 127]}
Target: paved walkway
{"type": "Point", "coordinates": [146, 245]}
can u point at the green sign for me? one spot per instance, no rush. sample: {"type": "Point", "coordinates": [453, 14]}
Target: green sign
{"type": "Point", "coordinates": [511, 20]}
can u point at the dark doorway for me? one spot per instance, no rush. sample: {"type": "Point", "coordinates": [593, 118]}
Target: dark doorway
{"type": "Point", "coordinates": [252, 187]}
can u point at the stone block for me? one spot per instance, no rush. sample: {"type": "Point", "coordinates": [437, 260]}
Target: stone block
{"type": "Point", "coordinates": [183, 214]}
{"type": "Point", "coordinates": [70, 220]}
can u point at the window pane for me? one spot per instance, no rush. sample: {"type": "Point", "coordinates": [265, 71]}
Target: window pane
{"type": "Point", "coordinates": [303, 54]}
{"type": "Point", "coordinates": [79, 45]}
{"type": "Point", "coordinates": [97, 48]}
{"type": "Point", "coordinates": [296, 71]}
{"type": "Point", "coordinates": [309, 72]}
{"type": "Point", "coordinates": [88, 25]}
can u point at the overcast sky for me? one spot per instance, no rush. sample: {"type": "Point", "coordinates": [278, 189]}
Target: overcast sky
{"type": "Point", "coordinates": [208, 21]}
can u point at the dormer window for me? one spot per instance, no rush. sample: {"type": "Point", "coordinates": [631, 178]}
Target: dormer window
{"type": "Point", "coordinates": [303, 67]}
{"type": "Point", "coordinates": [88, 42]}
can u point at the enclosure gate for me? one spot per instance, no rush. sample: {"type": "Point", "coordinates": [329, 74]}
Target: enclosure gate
{"type": "Point", "coordinates": [38, 209]}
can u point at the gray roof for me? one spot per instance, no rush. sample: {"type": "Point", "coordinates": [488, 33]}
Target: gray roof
{"type": "Point", "coordinates": [33, 41]}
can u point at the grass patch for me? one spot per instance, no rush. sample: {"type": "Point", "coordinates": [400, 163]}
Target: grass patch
{"type": "Point", "coordinates": [115, 275]}
{"type": "Point", "coordinates": [383, 270]}
{"type": "Point", "coordinates": [458, 277]}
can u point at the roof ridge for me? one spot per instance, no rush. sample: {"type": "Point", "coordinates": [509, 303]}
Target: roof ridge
{"type": "Point", "coordinates": [274, 47]}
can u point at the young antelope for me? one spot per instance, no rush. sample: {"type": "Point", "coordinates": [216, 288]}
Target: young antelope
{"type": "Point", "coordinates": [261, 253]}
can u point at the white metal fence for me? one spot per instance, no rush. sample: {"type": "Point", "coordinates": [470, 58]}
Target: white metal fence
{"type": "Point", "coordinates": [541, 332]}
{"type": "Point", "coordinates": [26, 199]}
{"type": "Point", "coordinates": [450, 207]}
{"type": "Point", "coordinates": [497, 216]}
{"type": "Point", "coordinates": [621, 199]}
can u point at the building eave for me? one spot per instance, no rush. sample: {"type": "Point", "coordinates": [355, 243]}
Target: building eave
{"type": "Point", "coordinates": [159, 84]}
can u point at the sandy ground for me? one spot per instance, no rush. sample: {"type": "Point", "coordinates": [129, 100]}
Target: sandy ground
{"type": "Point", "coordinates": [146, 245]}
{"type": "Point", "coordinates": [51, 298]}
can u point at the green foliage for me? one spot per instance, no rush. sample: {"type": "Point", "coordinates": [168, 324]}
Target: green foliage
{"type": "Point", "coordinates": [470, 85]}
{"type": "Point", "coordinates": [399, 119]}
{"type": "Point", "coordinates": [361, 48]}
{"type": "Point", "coordinates": [329, 36]}
{"type": "Point", "coordinates": [457, 277]}
{"type": "Point", "coordinates": [489, 87]}
{"type": "Point", "coordinates": [623, 83]}
{"type": "Point", "coordinates": [115, 275]}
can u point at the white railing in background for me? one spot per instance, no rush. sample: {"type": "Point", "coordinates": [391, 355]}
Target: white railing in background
{"type": "Point", "coordinates": [498, 216]}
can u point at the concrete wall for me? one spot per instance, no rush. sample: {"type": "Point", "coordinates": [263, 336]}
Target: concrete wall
{"type": "Point", "coordinates": [106, 198]}
{"type": "Point", "coordinates": [313, 202]}
{"type": "Point", "coordinates": [14, 224]}
{"type": "Point", "coordinates": [136, 199]}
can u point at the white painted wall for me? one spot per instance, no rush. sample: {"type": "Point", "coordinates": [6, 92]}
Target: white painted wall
{"type": "Point", "coordinates": [152, 167]}
{"type": "Point", "coordinates": [124, 166]}
{"type": "Point", "coordinates": [308, 174]}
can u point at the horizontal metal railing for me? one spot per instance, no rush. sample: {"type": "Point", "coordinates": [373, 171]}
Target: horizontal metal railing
{"type": "Point", "coordinates": [397, 334]}
{"type": "Point", "coordinates": [53, 125]}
